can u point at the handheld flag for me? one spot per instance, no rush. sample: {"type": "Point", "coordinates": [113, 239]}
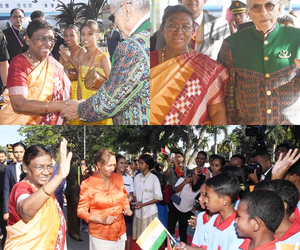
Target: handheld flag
{"type": "Point", "coordinates": [171, 243]}
{"type": "Point", "coordinates": [179, 171]}
{"type": "Point", "coordinates": [153, 236]}
{"type": "Point", "coordinates": [282, 246]}
{"type": "Point", "coordinates": [168, 151]}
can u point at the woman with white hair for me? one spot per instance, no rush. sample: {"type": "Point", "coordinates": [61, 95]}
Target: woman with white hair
{"type": "Point", "coordinates": [125, 96]}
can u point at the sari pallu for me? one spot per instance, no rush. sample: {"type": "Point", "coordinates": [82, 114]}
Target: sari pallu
{"type": "Point", "coordinates": [45, 231]}
{"type": "Point", "coordinates": [183, 87]}
{"type": "Point", "coordinates": [45, 83]}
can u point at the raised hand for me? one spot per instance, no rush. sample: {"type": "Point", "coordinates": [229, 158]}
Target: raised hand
{"type": "Point", "coordinates": [64, 160]}
{"type": "Point", "coordinates": [284, 163]}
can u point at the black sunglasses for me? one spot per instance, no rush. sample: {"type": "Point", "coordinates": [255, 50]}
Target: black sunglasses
{"type": "Point", "coordinates": [111, 17]}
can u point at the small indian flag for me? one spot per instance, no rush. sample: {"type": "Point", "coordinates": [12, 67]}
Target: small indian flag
{"type": "Point", "coordinates": [153, 236]}
{"type": "Point", "coordinates": [168, 151]}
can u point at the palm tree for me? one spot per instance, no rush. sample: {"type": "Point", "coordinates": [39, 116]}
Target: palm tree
{"type": "Point", "coordinates": [230, 144]}
{"type": "Point", "coordinates": [216, 130]}
{"type": "Point", "coordinates": [69, 13]}
{"type": "Point", "coordinates": [275, 135]}
{"type": "Point", "coordinates": [204, 143]}
{"type": "Point", "coordinates": [92, 10]}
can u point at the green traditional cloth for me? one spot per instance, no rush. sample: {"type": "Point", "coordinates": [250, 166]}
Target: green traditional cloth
{"type": "Point", "coordinates": [264, 82]}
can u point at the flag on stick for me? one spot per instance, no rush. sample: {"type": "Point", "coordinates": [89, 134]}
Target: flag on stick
{"type": "Point", "coordinates": [171, 243]}
{"type": "Point", "coordinates": [168, 151]}
{"type": "Point", "coordinates": [153, 236]}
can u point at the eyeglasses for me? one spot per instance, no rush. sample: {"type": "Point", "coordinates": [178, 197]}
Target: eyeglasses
{"type": "Point", "coordinates": [111, 17]}
{"type": "Point", "coordinates": [185, 28]}
{"type": "Point", "coordinates": [256, 8]}
{"type": "Point", "coordinates": [42, 168]}
{"type": "Point", "coordinates": [44, 40]}
{"type": "Point", "coordinates": [17, 17]}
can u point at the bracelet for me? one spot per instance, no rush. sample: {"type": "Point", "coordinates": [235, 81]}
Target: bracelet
{"type": "Point", "coordinates": [47, 107]}
{"type": "Point", "coordinates": [45, 192]}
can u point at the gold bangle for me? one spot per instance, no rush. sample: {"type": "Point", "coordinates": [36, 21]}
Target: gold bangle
{"type": "Point", "coordinates": [45, 192]}
{"type": "Point", "coordinates": [47, 104]}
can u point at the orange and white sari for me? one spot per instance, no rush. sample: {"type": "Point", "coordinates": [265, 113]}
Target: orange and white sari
{"type": "Point", "coordinates": [46, 82]}
{"type": "Point", "coordinates": [45, 231]}
{"type": "Point", "coordinates": [182, 88]}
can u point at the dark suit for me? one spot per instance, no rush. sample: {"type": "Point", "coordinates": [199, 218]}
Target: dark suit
{"type": "Point", "coordinates": [72, 195]}
{"type": "Point", "coordinates": [10, 179]}
{"type": "Point", "coordinates": [113, 41]}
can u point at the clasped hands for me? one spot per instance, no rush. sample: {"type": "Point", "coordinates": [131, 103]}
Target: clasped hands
{"type": "Point", "coordinates": [70, 110]}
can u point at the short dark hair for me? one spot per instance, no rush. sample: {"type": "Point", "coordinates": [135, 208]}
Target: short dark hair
{"type": "Point", "coordinates": [37, 24]}
{"type": "Point", "coordinates": [202, 153]}
{"type": "Point", "coordinates": [222, 159]}
{"type": "Point", "coordinates": [266, 205]}
{"type": "Point", "coordinates": [177, 9]}
{"type": "Point", "coordinates": [240, 157]}
{"type": "Point", "coordinates": [284, 145]}
{"type": "Point", "coordinates": [212, 156]}
{"type": "Point", "coordinates": [178, 152]}
{"type": "Point", "coordinates": [37, 14]}
{"type": "Point", "coordinates": [286, 190]}
{"type": "Point", "coordinates": [119, 157]}
{"type": "Point", "coordinates": [225, 184]}
{"type": "Point", "coordinates": [2, 152]}
{"type": "Point", "coordinates": [148, 159]}
{"type": "Point", "coordinates": [13, 10]}
{"type": "Point", "coordinates": [263, 154]}
{"type": "Point", "coordinates": [240, 175]}
{"type": "Point", "coordinates": [18, 144]}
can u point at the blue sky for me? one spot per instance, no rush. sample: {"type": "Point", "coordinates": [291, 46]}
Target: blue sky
{"type": "Point", "coordinates": [9, 134]}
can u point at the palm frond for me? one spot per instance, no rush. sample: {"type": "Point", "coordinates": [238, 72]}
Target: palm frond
{"type": "Point", "coordinates": [69, 13]}
{"type": "Point", "coordinates": [93, 10]}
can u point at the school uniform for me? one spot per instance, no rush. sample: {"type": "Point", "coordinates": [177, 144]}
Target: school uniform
{"type": "Point", "coordinates": [244, 245]}
{"type": "Point", "coordinates": [297, 212]}
{"type": "Point", "coordinates": [219, 236]}
{"type": "Point", "coordinates": [292, 235]}
{"type": "Point", "coordinates": [198, 238]}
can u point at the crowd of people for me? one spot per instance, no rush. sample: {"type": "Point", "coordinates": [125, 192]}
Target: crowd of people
{"type": "Point", "coordinates": [49, 78]}
{"type": "Point", "coordinates": [205, 70]}
{"type": "Point", "coordinates": [115, 200]}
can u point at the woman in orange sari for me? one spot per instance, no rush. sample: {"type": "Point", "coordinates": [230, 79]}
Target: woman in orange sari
{"type": "Point", "coordinates": [186, 87]}
{"type": "Point", "coordinates": [37, 87]}
{"type": "Point", "coordinates": [36, 220]}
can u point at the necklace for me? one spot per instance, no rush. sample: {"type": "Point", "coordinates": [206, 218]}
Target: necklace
{"type": "Point", "coordinates": [163, 53]}
{"type": "Point", "coordinates": [31, 184]}
{"type": "Point", "coordinates": [89, 66]}
{"type": "Point", "coordinates": [34, 64]}
{"type": "Point", "coordinates": [89, 55]}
